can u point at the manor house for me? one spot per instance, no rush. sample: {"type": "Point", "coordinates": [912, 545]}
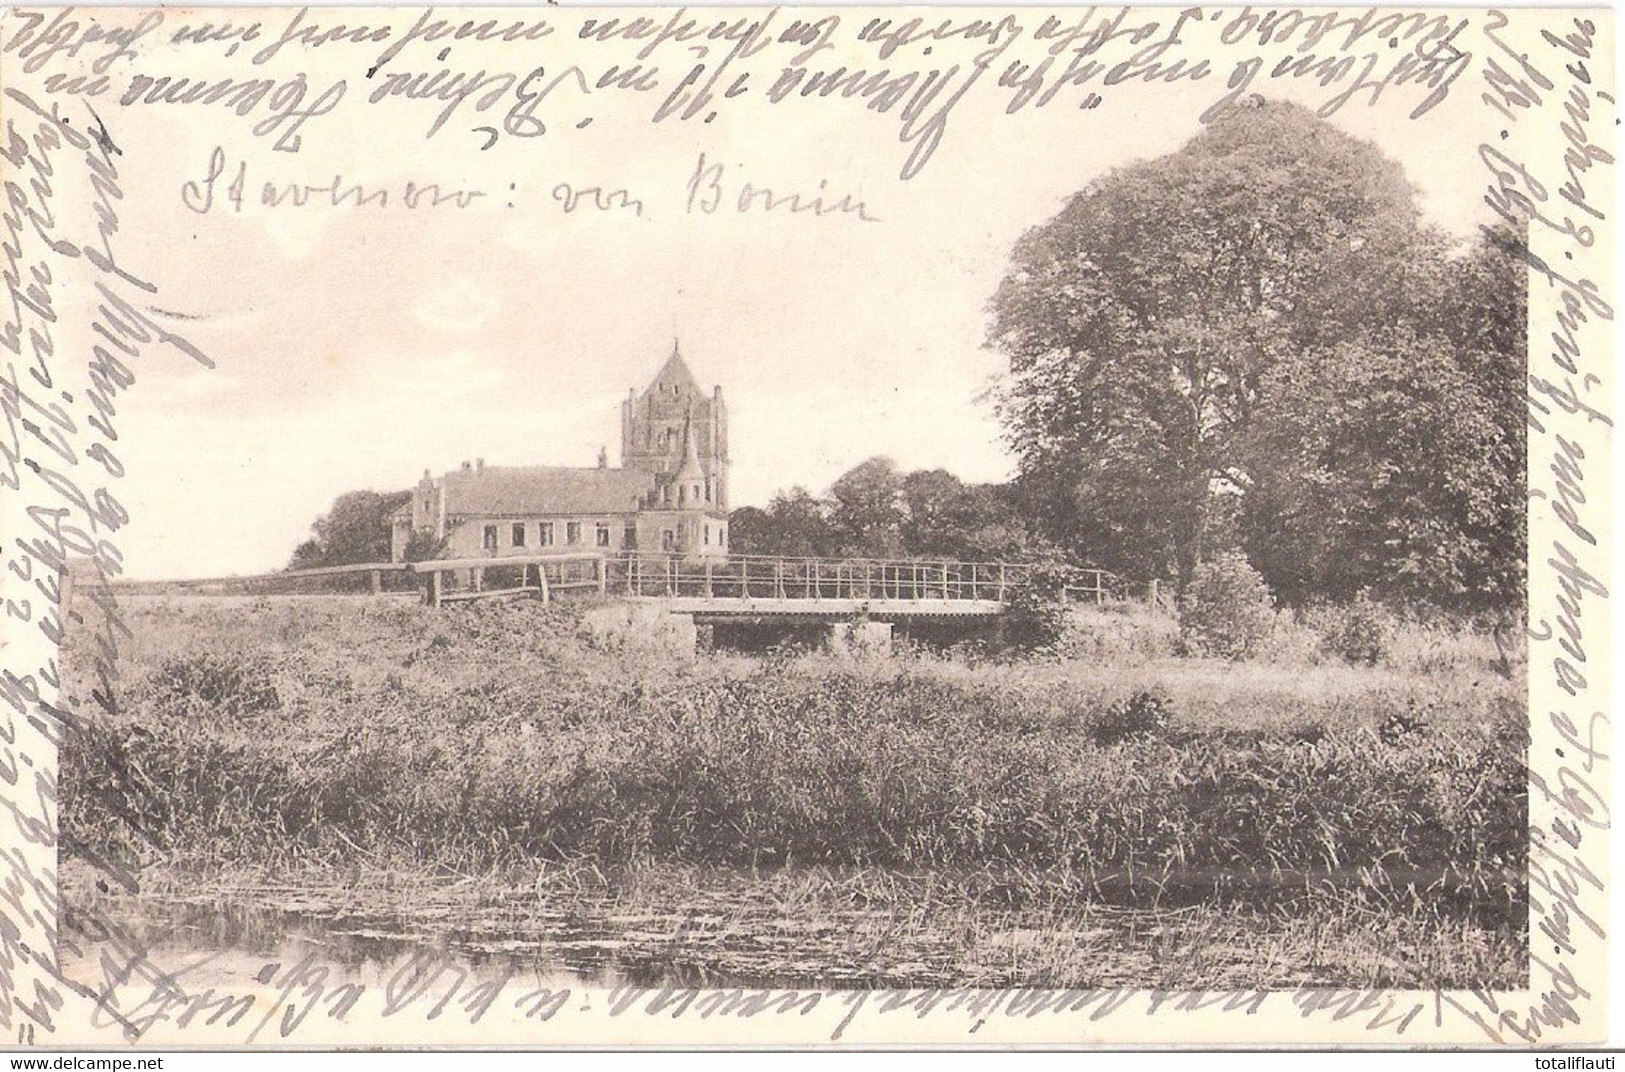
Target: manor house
{"type": "Point", "coordinates": [670, 494]}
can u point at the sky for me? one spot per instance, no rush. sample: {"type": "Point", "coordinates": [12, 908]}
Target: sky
{"type": "Point", "coordinates": [355, 347]}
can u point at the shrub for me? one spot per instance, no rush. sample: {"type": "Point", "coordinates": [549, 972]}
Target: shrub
{"type": "Point", "coordinates": [1292, 641]}
{"type": "Point", "coordinates": [506, 576]}
{"type": "Point", "coordinates": [1226, 610]}
{"type": "Point", "coordinates": [1142, 715]}
{"type": "Point", "coordinates": [1360, 631]}
{"type": "Point", "coordinates": [1035, 616]}
{"type": "Point", "coordinates": [1123, 632]}
{"type": "Point", "coordinates": [227, 683]}
{"type": "Point", "coordinates": [1404, 727]}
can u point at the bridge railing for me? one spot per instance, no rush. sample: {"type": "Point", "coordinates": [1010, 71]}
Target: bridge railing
{"type": "Point", "coordinates": [666, 576]}
{"type": "Point", "coordinates": [786, 578]}
{"type": "Point", "coordinates": [371, 577]}
{"type": "Point", "coordinates": [450, 580]}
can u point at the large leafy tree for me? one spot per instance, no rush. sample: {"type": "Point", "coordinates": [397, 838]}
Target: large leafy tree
{"type": "Point", "coordinates": [867, 509]}
{"type": "Point", "coordinates": [947, 518]}
{"type": "Point", "coordinates": [1382, 477]}
{"type": "Point", "coordinates": [1141, 320]}
{"type": "Point", "coordinates": [795, 524]}
{"type": "Point", "coordinates": [355, 529]}
{"type": "Point", "coordinates": [941, 514]}
{"type": "Point", "coordinates": [1148, 324]}
{"type": "Point", "coordinates": [750, 531]}
{"type": "Point", "coordinates": [1394, 463]}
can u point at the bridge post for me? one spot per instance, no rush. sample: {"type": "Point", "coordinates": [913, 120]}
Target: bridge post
{"type": "Point", "coordinates": [708, 579]}
{"type": "Point", "coordinates": [377, 579]}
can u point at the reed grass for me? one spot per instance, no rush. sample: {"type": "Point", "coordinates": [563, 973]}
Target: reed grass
{"type": "Point", "coordinates": [496, 737]}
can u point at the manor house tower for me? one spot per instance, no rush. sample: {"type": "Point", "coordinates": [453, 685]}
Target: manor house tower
{"type": "Point", "coordinates": [669, 496]}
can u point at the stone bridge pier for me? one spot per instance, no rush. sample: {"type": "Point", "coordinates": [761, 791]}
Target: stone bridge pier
{"type": "Point", "coordinates": [627, 625]}
{"type": "Point", "coordinates": [860, 637]}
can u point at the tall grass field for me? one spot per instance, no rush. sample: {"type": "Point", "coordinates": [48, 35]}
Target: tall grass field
{"type": "Point", "coordinates": [1106, 812]}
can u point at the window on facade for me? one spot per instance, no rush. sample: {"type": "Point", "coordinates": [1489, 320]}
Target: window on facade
{"type": "Point", "coordinates": [682, 496]}
{"type": "Point", "coordinates": [708, 490]}
{"type": "Point", "coordinates": [668, 540]}
{"type": "Point", "coordinates": [708, 535]}
{"type": "Point", "coordinates": [489, 538]}
{"type": "Point", "coordinates": [601, 535]}
{"type": "Point", "coordinates": [572, 531]}
{"type": "Point", "coordinates": [519, 534]}
{"type": "Point", "coordinates": [629, 538]}
{"type": "Point", "coordinates": [544, 534]}
{"type": "Point", "coordinates": [696, 493]}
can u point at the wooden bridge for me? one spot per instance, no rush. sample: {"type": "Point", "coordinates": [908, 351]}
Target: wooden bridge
{"type": "Point", "coordinates": [753, 585]}
{"type": "Point", "coordinates": [738, 587]}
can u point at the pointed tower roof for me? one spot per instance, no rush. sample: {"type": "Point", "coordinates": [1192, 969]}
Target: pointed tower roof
{"type": "Point", "coordinates": [674, 373]}
{"type": "Point", "coordinates": [690, 469]}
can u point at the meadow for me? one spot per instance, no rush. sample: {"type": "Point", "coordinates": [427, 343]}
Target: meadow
{"type": "Point", "coordinates": [1106, 812]}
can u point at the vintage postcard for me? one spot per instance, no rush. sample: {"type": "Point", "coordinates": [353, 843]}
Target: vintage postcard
{"type": "Point", "coordinates": [827, 526]}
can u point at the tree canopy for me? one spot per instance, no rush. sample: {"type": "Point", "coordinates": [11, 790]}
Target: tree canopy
{"type": "Point", "coordinates": [876, 511]}
{"type": "Point", "coordinates": [354, 530]}
{"type": "Point", "coordinates": [1256, 343]}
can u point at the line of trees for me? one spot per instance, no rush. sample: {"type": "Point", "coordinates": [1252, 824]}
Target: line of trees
{"type": "Point", "coordinates": [874, 510]}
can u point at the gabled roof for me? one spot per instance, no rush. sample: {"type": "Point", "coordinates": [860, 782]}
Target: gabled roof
{"type": "Point", "coordinates": [513, 491]}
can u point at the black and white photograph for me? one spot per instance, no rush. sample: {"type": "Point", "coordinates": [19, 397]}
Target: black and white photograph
{"type": "Point", "coordinates": [853, 525]}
